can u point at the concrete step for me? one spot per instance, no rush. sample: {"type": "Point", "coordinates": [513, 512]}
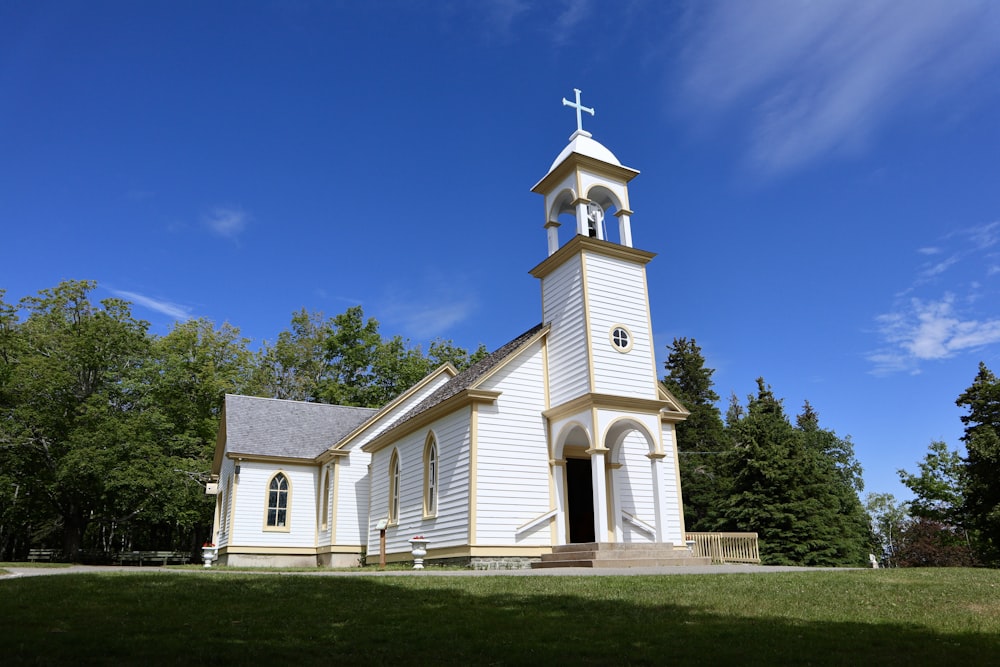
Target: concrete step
{"type": "Point", "coordinates": [610, 555]}
{"type": "Point", "coordinates": [623, 562]}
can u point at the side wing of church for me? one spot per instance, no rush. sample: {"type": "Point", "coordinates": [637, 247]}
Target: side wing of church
{"type": "Point", "coordinates": [564, 436]}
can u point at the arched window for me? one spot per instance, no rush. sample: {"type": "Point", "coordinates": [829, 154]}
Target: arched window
{"type": "Point", "coordinates": [430, 476]}
{"type": "Point", "coordinates": [277, 502]}
{"type": "Point", "coordinates": [325, 490]}
{"type": "Point", "coordinates": [394, 488]}
{"type": "Point", "coordinates": [227, 506]}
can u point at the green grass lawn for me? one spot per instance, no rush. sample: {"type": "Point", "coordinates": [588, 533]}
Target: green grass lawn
{"type": "Point", "coordinates": [881, 617]}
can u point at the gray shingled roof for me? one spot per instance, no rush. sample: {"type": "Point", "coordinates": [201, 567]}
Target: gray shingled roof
{"type": "Point", "coordinates": [272, 427]}
{"type": "Point", "coordinates": [468, 377]}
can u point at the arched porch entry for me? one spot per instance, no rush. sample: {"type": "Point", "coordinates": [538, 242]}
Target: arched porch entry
{"type": "Point", "coordinates": [608, 492]}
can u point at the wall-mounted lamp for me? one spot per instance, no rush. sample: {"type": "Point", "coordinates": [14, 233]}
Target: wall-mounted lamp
{"type": "Point", "coordinates": [236, 470]}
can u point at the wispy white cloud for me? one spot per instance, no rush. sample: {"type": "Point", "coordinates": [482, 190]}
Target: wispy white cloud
{"type": "Point", "coordinates": [227, 222]}
{"type": "Point", "coordinates": [929, 250]}
{"type": "Point", "coordinates": [820, 78]}
{"type": "Point", "coordinates": [573, 13]}
{"type": "Point", "coordinates": [428, 308]}
{"type": "Point", "coordinates": [168, 308]}
{"type": "Point", "coordinates": [503, 13]}
{"type": "Point", "coordinates": [931, 330]}
{"type": "Point", "coordinates": [923, 326]}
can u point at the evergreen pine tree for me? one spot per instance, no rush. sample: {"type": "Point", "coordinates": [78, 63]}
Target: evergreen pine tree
{"type": "Point", "coordinates": [786, 489]}
{"type": "Point", "coordinates": [701, 437]}
{"type": "Point", "coordinates": [982, 463]}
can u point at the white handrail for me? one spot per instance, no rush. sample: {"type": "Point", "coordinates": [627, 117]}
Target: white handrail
{"type": "Point", "coordinates": [523, 528]}
{"type": "Point", "coordinates": [639, 523]}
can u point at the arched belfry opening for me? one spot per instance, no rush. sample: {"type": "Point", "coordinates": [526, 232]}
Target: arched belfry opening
{"type": "Point", "coordinates": [586, 190]}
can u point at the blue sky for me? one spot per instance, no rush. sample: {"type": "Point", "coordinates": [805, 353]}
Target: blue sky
{"type": "Point", "coordinates": [819, 180]}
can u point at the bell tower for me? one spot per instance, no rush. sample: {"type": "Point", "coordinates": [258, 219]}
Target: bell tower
{"type": "Point", "coordinates": [587, 181]}
{"type": "Point", "coordinates": [605, 402]}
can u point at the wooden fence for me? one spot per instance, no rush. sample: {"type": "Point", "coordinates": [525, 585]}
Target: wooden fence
{"type": "Point", "coordinates": [725, 547]}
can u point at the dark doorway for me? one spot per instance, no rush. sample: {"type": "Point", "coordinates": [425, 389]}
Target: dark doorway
{"type": "Point", "coordinates": [580, 497]}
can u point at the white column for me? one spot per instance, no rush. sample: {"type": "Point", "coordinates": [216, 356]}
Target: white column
{"type": "Point", "coordinates": [582, 227]}
{"type": "Point", "coordinates": [552, 228]}
{"type": "Point", "coordinates": [559, 474]}
{"type": "Point", "coordinates": [598, 467]}
{"type": "Point", "coordinates": [659, 495]}
{"type": "Point", "coordinates": [624, 228]}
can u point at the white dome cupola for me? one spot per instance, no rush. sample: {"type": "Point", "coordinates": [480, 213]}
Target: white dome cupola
{"type": "Point", "coordinates": [587, 181]}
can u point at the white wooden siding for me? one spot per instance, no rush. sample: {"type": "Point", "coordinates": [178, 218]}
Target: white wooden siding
{"type": "Point", "coordinates": [672, 529]}
{"type": "Point", "coordinates": [616, 294]}
{"type": "Point", "coordinates": [249, 515]}
{"type": "Point", "coordinates": [562, 300]}
{"type": "Point", "coordinates": [512, 458]}
{"type": "Point", "coordinates": [352, 498]}
{"type": "Point", "coordinates": [450, 527]}
{"type": "Point", "coordinates": [634, 486]}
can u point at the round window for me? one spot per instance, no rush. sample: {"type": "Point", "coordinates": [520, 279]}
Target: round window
{"type": "Point", "coordinates": [621, 338]}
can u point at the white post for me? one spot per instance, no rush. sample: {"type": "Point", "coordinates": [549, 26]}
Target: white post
{"type": "Point", "coordinates": [559, 474]}
{"type": "Point", "coordinates": [624, 229]}
{"type": "Point", "coordinates": [582, 226]}
{"type": "Point", "coordinates": [552, 227]}
{"type": "Point", "coordinates": [598, 469]}
{"type": "Point", "coordinates": [659, 495]}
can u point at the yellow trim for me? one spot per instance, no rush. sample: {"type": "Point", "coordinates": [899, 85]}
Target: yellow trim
{"type": "Point", "coordinates": [261, 458]}
{"type": "Point", "coordinates": [335, 501]}
{"type": "Point", "coordinates": [446, 367]}
{"type": "Point", "coordinates": [649, 323]}
{"type": "Point", "coordinates": [631, 339]}
{"type": "Point", "coordinates": [431, 504]}
{"type": "Point", "coordinates": [578, 162]}
{"type": "Point", "coordinates": [541, 333]}
{"type": "Point", "coordinates": [587, 333]}
{"type": "Point", "coordinates": [473, 470]}
{"type": "Point", "coordinates": [288, 504]}
{"type": "Point", "coordinates": [231, 510]}
{"type": "Point", "coordinates": [610, 401]}
{"type": "Point", "coordinates": [471, 552]}
{"type": "Point", "coordinates": [459, 400]}
{"type": "Point", "coordinates": [324, 495]}
{"type": "Point", "coordinates": [340, 549]}
{"type": "Point", "coordinates": [677, 478]}
{"type": "Point", "coordinates": [395, 480]}
{"type": "Point", "coordinates": [676, 406]}
{"type": "Point", "coordinates": [268, 551]}
{"type": "Point", "coordinates": [578, 244]}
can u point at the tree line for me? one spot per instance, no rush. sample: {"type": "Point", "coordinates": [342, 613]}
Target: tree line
{"type": "Point", "coordinates": [954, 517]}
{"type": "Point", "coordinates": [107, 431]}
{"type": "Point", "coordinates": [797, 484]}
{"type": "Point", "coordinates": [107, 434]}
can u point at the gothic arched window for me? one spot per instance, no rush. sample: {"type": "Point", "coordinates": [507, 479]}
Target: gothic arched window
{"type": "Point", "coordinates": [430, 476]}
{"type": "Point", "coordinates": [277, 502]}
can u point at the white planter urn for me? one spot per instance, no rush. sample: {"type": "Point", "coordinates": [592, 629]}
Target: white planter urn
{"type": "Point", "coordinates": [209, 554]}
{"type": "Point", "coordinates": [418, 548]}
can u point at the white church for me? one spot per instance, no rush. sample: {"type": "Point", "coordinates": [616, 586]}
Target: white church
{"type": "Point", "coordinates": [555, 449]}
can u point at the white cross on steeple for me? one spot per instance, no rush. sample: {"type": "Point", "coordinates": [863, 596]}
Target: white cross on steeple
{"type": "Point", "coordinates": [579, 112]}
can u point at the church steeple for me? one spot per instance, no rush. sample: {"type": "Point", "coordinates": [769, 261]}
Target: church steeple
{"type": "Point", "coordinates": [587, 181]}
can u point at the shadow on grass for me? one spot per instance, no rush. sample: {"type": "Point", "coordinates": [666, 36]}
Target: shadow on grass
{"type": "Point", "coordinates": [174, 619]}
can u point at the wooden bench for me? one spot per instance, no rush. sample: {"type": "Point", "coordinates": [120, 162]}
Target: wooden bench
{"type": "Point", "coordinates": [141, 558]}
{"type": "Point", "coordinates": [46, 555]}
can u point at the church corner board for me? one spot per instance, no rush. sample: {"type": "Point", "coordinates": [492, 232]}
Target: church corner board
{"type": "Point", "coordinates": [562, 436]}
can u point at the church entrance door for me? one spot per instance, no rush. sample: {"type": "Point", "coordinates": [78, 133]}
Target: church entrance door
{"type": "Point", "coordinates": [580, 498]}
